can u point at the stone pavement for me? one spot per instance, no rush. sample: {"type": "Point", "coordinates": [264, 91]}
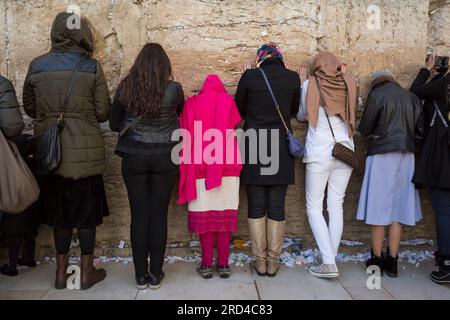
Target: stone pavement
{"type": "Point", "coordinates": [183, 283]}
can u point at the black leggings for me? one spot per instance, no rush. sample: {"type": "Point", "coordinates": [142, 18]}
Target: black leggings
{"type": "Point", "coordinates": [440, 200]}
{"type": "Point", "coordinates": [266, 200]}
{"type": "Point", "coordinates": [150, 181]}
{"type": "Point", "coordinates": [63, 239]}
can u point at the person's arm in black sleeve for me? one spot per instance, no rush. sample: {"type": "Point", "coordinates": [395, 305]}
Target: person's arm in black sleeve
{"type": "Point", "coordinates": [419, 121]}
{"type": "Point", "coordinates": [181, 101]}
{"type": "Point", "coordinates": [428, 90]}
{"type": "Point", "coordinates": [241, 95]}
{"type": "Point", "coordinates": [117, 113]}
{"type": "Point", "coordinates": [295, 104]}
{"type": "Point", "coordinates": [370, 116]}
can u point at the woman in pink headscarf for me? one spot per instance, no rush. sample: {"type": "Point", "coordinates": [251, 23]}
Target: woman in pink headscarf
{"type": "Point", "coordinates": [209, 171]}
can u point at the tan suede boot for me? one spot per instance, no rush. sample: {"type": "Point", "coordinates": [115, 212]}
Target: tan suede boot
{"type": "Point", "coordinates": [258, 234]}
{"type": "Point", "coordinates": [62, 263]}
{"type": "Point", "coordinates": [90, 276]}
{"type": "Point", "coordinates": [275, 238]}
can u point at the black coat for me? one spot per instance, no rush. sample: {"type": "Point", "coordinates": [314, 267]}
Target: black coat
{"type": "Point", "coordinates": [390, 119]}
{"type": "Point", "coordinates": [11, 121]}
{"type": "Point", "coordinates": [433, 165]}
{"type": "Point", "coordinates": [257, 107]}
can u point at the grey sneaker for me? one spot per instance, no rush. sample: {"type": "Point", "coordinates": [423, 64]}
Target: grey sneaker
{"type": "Point", "coordinates": [324, 271]}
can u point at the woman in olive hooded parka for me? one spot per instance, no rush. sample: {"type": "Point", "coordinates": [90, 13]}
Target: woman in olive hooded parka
{"type": "Point", "coordinates": [73, 196]}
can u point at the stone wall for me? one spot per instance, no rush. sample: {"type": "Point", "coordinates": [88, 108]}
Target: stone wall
{"type": "Point", "coordinates": [217, 36]}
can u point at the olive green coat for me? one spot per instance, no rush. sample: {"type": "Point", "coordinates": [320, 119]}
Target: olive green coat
{"type": "Point", "coordinates": [83, 146]}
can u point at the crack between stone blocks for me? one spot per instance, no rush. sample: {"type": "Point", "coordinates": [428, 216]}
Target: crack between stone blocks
{"type": "Point", "coordinates": [115, 34]}
{"type": "Point", "coordinates": [257, 290]}
{"type": "Point", "coordinates": [6, 35]}
{"type": "Point", "coordinates": [233, 24]}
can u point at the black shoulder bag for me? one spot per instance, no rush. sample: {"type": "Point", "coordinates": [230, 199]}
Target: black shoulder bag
{"type": "Point", "coordinates": [126, 130]}
{"type": "Point", "coordinates": [340, 152]}
{"type": "Point", "coordinates": [47, 146]}
{"type": "Point", "coordinates": [296, 147]}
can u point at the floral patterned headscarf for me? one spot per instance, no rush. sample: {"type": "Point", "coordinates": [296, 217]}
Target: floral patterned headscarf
{"type": "Point", "coordinates": [268, 50]}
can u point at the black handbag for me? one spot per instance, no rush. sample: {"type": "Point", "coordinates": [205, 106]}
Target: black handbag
{"type": "Point", "coordinates": [47, 146]}
{"type": "Point", "coordinates": [296, 147]}
{"type": "Point", "coordinates": [340, 152]}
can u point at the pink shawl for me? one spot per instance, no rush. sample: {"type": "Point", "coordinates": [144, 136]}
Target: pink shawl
{"type": "Point", "coordinates": [215, 109]}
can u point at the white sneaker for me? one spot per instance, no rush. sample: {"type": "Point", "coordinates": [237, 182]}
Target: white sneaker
{"type": "Point", "coordinates": [328, 271]}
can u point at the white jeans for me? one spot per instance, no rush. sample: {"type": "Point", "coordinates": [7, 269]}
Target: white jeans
{"type": "Point", "coordinates": [336, 175]}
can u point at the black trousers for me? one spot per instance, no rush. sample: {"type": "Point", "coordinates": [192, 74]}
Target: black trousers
{"type": "Point", "coordinates": [150, 181]}
{"type": "Point", "coordinates": [266, 200]}
{"type": "Point", "coordinates": [440, 200]}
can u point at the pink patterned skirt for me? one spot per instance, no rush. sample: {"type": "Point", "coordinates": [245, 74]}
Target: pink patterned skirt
{"type": "Point", "coordinates": [215, 210]}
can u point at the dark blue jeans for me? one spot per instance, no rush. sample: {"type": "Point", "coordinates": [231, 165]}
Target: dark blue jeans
{"type": "Point", "coordinates": [440, 200]}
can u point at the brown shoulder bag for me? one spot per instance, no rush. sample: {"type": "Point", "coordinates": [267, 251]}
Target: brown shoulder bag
{"type": "Point", "coordinates": [340, 152]}
{"type": "Point", "coordinates": [18, 187]}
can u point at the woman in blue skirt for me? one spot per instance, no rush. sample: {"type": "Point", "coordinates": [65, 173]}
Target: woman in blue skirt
{"type": "Point", "coordinates": [388, 196]}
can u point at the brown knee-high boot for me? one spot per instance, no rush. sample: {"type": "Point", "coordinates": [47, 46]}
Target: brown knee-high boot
{"type": "Point", "coordinates": [275, 238]}
{"type": "Point", "coordinates": [62, 263]}
{"type": "Point", "coordinates": [258, 234]}
{"type": "Point", "coordinates": [89, 274]}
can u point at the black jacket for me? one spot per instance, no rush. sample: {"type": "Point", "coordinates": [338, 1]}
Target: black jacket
{"type": "Point", "coordinates": [256, 106]}
{"type": "Point", "coordinates": [390, 118]}
{"type": "Point", "coordinates": [150, 135]}
{"type": "Point", "coordinates": [11, 121]}
{"type": "Point", "coordinates": [433, 163]}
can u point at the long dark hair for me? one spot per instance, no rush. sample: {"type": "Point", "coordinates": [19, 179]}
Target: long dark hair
{"type": "Point", "coordinates": [143, 89]}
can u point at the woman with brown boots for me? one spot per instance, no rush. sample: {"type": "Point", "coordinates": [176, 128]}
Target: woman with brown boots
{"type": "Point", "coordinates": [73, 195]}
{"type": "Point", "coordinates": [266, 188]}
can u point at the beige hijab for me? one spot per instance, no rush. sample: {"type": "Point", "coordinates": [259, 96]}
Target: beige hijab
{"type": "Point", "coordinates": [338, 91]}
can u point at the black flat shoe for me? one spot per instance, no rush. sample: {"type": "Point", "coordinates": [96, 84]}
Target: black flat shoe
{"type": "Point", "coordinates": [142, 282]}
{"type": "Point", "coordinates": [156, 281]}
{"type": "Point", "coordinates": [7, 271]}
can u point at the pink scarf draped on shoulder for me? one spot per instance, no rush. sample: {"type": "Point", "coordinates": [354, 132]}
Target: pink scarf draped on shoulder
{"type": "Point", "coordinates": [215, 109]}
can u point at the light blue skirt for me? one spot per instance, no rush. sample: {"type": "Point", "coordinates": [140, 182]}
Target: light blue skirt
{"type": "Point", "coordinates": [388, 194]}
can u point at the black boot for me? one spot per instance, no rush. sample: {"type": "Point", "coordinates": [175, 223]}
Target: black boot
{"type": "Point", "coordinates": [390, 265]}
{"type": "Point", "coordinates": [10, 269]}
{"type": "Point", "coordinates": [443, 275]}
{"type": "Point", "coordinates": [7, 270]}
{"type": "Point", "coordinates": [27, 258]}
{"type": "Point", "coordinates": [375, 261]}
